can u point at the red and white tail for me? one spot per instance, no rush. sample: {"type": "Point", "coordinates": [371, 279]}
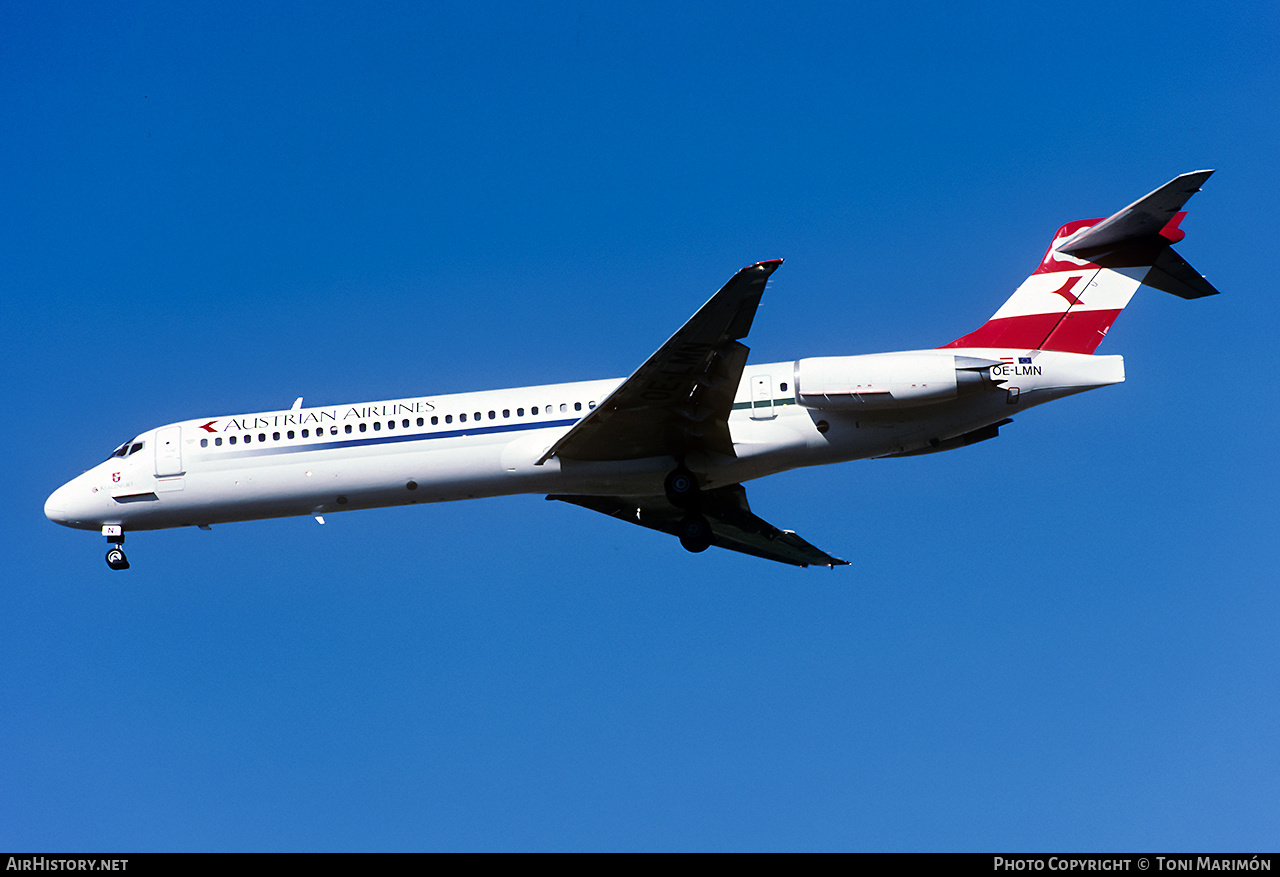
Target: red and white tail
{"type": "Point", "coordinates": [1091, 270]}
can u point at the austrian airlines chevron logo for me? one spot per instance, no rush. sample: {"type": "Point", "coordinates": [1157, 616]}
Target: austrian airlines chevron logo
{"type": "Point", "coordinates": [208, 427]}
{"type": "Point", "coordinates": [1065, 290]}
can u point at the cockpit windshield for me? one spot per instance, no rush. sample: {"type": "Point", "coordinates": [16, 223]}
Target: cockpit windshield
{"type": "Point", "coordinates": [127, 449]}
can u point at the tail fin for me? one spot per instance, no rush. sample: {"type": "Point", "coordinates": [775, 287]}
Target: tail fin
{"type": "Point", "coordinates": [1091, 270]}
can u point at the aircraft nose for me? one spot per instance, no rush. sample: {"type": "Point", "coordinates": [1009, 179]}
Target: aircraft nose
{"type": "Point", "coordinates": [68, 505]}
{"type": "Point", "coordinates": [55, 507]}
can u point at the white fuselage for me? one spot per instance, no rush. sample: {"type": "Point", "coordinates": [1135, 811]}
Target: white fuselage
{"type": "Point", "coordinates": [314, 461]}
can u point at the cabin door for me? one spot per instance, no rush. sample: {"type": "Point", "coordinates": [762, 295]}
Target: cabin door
{"type": "Point", "coordinates": [762, 398]}
{"type": "Point", "coordinates": [169, 451]}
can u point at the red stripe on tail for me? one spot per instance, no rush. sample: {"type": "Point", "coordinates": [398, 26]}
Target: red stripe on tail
{"type": "Point", "coordinates": [1078, 331]}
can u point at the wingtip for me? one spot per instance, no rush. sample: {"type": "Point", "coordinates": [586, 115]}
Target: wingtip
{"type": "Point", "coordinates": [1196, 177]}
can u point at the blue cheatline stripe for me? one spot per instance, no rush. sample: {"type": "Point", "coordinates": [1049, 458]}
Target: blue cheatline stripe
{"type": "Point", "coordinates": [379, 440]}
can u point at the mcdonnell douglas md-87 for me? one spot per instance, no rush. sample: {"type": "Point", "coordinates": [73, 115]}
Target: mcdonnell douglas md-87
{"type": "Point", "coordinates": [669, 447]}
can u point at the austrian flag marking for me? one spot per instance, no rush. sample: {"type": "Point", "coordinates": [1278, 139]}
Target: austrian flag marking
{"type": "Point", "coordinates": [208, 427]}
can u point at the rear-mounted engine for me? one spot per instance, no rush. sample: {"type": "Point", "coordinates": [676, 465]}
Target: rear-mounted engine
{"type": "Point", "coordinates": [887, 380]}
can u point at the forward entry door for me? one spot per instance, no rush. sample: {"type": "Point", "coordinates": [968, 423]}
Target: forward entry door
{"type": "Point", "coordinates": [169, 452]}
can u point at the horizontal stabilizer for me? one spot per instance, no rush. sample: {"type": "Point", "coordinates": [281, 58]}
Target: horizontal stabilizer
{"type": "Point", "coordinates": [1172, 274]}
{"type": "Point", "coordinates": [1141, 221]}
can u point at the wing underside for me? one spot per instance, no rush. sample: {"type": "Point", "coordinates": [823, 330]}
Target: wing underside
{"type": "Point", "coordinates": [733, 525]}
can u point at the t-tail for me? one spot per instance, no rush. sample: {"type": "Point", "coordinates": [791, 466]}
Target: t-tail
{"type": "Point", "coordinates": [1092, 269]}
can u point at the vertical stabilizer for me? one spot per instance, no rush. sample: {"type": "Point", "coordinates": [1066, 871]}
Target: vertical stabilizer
{"type": "Point", "coordinates": [1091, 270]}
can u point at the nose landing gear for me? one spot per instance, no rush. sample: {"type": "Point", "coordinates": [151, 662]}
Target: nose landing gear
{"type": "Point", "coordinates": [115, 554]}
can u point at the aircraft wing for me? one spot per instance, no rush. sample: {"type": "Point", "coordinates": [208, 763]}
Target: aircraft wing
{"type": "Point", "coordinates": [733, 526]}
{"type": "Point", "coordinates": [679, 401]}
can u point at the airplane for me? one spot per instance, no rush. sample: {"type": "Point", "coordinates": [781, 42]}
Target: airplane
{"type": "Point", "coordinates": [669, 447]}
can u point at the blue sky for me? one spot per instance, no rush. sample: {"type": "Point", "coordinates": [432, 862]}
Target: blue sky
{"type": "Point", "coordinates": [1061, 639]}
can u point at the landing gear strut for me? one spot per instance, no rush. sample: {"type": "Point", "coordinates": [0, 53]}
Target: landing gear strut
{"type": "Point", "coordinates": [683, 492]}
{"type": "Point", "coordinates": [115, 554]}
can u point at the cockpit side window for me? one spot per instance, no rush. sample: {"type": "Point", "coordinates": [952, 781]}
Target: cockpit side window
{"type": "Point", "coordinates": [137, 446]}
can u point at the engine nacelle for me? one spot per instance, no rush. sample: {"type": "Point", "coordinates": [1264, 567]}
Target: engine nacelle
{"type": "Point", "coordinates": [884, 380]}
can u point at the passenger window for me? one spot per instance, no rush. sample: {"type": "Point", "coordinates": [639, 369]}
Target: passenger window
{"type": "Point", "coordinates": [462, 418]}
{"type": "Point", "coordinates": [405, 422]}
{"type": "Point", "coordinates": [591, 405]}
{"type": "Point", "coordinates": [275, 436]}
{"type": "Point", "coordinates": [306, 433]}
{"type": "Point", "coordinates": [232, 440]}
{"type": "Point", "coordinates": [363, 426]}
{"type": "Point", "coordinates": [577, 406]}
{"type": "Point", "coordinates": [563, 408]}
{"type": "Point", "coordinates": [478, 415]}
{"type": "Point", "coordinates": [218, 442]}
{"type": "Point", "coordinates": [506, 412]}
{"type": "Point", "coordinates": [448, 418]}
{"type": "Point", "coordinates": [391, 424]}
{"type": "Point", "coordinates": [347, 429]}
{"type": "Point", "coordinates": [783, 386]}
{"type": "Point", "coordinates": [377, 425]}
{"type": "Point", "coordinates": [289, 434]}
{"type": "Point", "coordinates": [204, 443]}
{"type": "Point", "coordinates": [534, 410]}
{"type": "Point", "coordinates": [248, 439]}
{"type": "Point", "coordinates": [519, 412]}
{"type": "Point", "coordinates": [420, 422]}
{"type": "Point", "coordinates": [435, 420]}
{"type": "Point", "coordinates": [493, 415]}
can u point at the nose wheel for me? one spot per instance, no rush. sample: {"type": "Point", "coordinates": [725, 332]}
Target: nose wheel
{"type": "Point", "coordinates": [115, 554]}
